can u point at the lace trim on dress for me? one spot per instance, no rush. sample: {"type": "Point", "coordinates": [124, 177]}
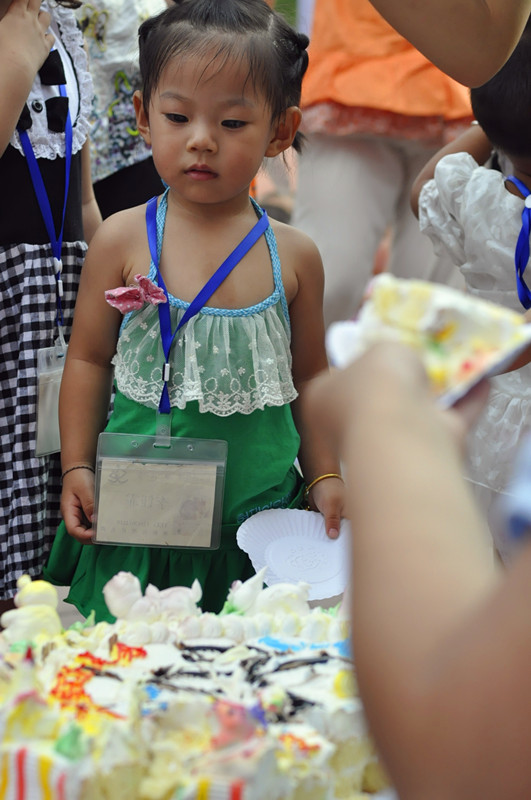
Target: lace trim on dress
{"type": "Point", "coordinates": [46, 143]}
{"type": "Point", "coordinates": [228, 364]}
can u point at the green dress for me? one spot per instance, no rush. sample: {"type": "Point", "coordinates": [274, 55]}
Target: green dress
{"type": "Point", "coordinates": [230, 380]}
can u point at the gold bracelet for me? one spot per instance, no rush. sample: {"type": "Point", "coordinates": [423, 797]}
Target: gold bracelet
{"type": "Point", "coordinates": [316, 480]}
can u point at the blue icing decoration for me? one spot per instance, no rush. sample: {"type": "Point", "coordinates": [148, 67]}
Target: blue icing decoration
{"type": "Point", "coordinates": [153, 692]}
{"type": "Point", "coordinates": [344, 647]}
{"type": "Point", "coordinates": [277, 644]}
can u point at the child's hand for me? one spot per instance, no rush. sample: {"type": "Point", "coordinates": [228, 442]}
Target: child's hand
{"type": "Point", "coordinates": [328, 497]}
{"type": "Point", "coordinates": [77, 504]}
{"type": "Point", "coordinates": [24, 41]}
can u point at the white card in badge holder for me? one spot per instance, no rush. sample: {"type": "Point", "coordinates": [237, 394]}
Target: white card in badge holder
{"type": "Point", "coordinates": [50, 365]}
{"type": "Point", "coordinates": [159, 497]}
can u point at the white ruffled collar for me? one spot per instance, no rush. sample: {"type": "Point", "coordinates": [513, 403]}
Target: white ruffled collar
{"type": "Point", "coordinates": [46, 143]}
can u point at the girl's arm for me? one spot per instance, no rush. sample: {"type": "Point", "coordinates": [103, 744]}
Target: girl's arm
{"type": "Point", "coordinates": [24, 47]}
{"type": "Point", "coordinates": [90, 210]}
{"type": "Point", "coordinates": [316, 457]}
{"type": "Point", "coordinates": [442, 642]}
{"type": "Point", "coordinates": [468, 39]}
{"type": "Point", "coordinates": [86, 384]}
{"type": "Point", "coordinates": [472, 141]}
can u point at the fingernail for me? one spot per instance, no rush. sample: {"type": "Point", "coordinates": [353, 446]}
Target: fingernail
{"type": "Point", "coordinates": [333, 533]}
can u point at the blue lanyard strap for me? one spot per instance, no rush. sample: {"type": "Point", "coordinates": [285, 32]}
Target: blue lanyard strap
{"type": "Point", "coordinates": [203, 295]}
{"type": "Point", "coordinates": [56, 239]}
{"type": "Point", "coordinates": [521, 255]}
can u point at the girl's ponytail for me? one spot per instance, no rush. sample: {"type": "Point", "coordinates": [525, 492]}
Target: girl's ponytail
{"type": "Point", "coordinates": [298, 69]}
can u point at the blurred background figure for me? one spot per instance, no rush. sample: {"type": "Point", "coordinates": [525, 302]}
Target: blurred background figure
{"type": "Point", "coordinates": [374, 111]}
{"type": "Point", "coordinates": [48, 214]}
{"type": "Point", "coordinates": [474, 214]}
{"type": "Point", "coordinates": [123, 172]}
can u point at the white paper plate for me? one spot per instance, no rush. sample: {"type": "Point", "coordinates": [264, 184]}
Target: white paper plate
{"type": "Point", "coordinates": [294, 547]}
{"type": "Point", "coordinates": [343, 346]}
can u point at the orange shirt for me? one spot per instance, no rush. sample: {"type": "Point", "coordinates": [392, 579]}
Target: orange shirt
{"type": "Point", "coordinates": [358, 60]}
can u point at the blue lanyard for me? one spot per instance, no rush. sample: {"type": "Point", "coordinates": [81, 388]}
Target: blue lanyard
{"type": "Point", "coordinates": [521, 255]}
{"type": "Point", "coordinates": [56, 239]}
{"type": "Point", "coordinates": [201, 298]}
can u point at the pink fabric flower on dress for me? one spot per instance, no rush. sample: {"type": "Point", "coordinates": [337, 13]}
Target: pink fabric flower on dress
{"type": "Point", "coordinates": [152, 293]}
{"type": "Point", "coordinates": [132, 298]}
{"type": "Point", "coordinates": [125, 298]}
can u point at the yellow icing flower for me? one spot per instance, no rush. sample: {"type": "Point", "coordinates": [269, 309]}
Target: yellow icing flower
{"type": "Point", "coordinates": [344, 683]}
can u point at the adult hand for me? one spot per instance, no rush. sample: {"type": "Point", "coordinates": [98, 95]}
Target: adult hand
{"type": "Point", "coordinates": [24, 40]}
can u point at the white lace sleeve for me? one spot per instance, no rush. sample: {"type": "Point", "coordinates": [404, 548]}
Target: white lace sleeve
{"type": "Point", "coordinates": [441, 205]}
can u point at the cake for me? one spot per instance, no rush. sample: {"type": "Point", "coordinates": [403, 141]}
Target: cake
{"type": "Point", "coordinates": [169, 703]}
{"type": "Point", "coordinates": [459, 337]}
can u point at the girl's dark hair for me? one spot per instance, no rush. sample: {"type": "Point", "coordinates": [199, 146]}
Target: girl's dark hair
{"type": "Point", "coordinates": [502, 106]}
{"type": "Point", "coordinates": [243, 29]}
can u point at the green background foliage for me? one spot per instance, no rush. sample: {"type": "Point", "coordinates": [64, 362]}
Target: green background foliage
{"type": "Point", "coordinates": [287, 7]}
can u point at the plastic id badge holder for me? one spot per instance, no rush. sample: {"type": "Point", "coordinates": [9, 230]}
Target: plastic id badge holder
{"type": "Point", "coordinates": [50, 364]}
{"type": "Point", "coordinates": [154, 496]}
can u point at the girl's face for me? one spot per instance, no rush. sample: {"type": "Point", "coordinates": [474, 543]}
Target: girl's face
{"type": "Point", "coordinates": [209, 130]}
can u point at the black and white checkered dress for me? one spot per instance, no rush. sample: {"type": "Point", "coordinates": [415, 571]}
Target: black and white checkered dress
{"type": "Point", "coordinates": [30, 486]}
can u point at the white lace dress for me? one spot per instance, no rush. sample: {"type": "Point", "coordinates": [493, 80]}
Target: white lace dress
{"type": "Point", "coordinates": [468, 213]}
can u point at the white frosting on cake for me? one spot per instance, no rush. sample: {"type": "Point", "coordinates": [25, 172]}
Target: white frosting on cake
{"type": "Point", "coordinates": [167, 702]}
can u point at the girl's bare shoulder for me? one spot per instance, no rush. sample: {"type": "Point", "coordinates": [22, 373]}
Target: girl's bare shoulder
{"type": "Point", "coordinates": [124, 227]}
{"type": "Point", "coordinates": [121, 239]}
{"type": "Point", "coordinates": [300, 260]}
{"type": "Point", "coordinates": [296, 250]}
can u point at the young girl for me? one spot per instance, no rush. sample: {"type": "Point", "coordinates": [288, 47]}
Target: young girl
{"type": "Point", "coordinates": [475, 214]}
{"type": "Point", "coordinates": [221, 84]}
{"type": "Point", "coordinates": [38, 86]}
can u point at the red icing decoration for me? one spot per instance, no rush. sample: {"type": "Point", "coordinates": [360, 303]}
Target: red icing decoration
{"type": "Point", "coordinates": [295, 741]}
{"type": "Point", "coordinates": [61, 786]}
{"type": "Point", "coordinates": [69, 687]}
{"type": "Point", "coordinates": [236, 790]}
{"type": "Point", "coordinates": [21, 773]}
